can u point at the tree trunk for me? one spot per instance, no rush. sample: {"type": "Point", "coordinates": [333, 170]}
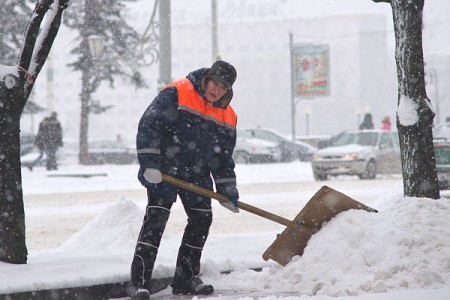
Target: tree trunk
{"type": "Point", "coordinates": [14, 93]}
{"type": "Point", "coordinates": [12, 218]}
{"type": "Point", "coordinates": [415, 112]}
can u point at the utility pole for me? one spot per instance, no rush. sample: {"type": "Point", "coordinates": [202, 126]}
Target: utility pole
{"type": "Point", "coordinates": [50, 84]}
{"type": "Point", "coordinates": [215, 43]}
{"type": "Point", "coordinates": [292, 86]}
{"type": "Point", "coordinates": [165, 44]}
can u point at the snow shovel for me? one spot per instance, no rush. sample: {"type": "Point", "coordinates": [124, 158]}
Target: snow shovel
{"type": "Point", "coordinates": [322, 207]}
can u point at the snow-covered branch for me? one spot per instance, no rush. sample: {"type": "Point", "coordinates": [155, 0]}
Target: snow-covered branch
{"type": "Point", "coordinates": [31, 33]}
{"type": "Point", "coordinates": [45, 40]}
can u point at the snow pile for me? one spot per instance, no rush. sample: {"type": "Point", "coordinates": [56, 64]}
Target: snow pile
{"type": "Point", "coordinates": [112, 231]}
{"type": "Point", "coordinates": [404, 246]}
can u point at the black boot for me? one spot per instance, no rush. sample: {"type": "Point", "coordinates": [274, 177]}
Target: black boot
{"type": "Point", "coordinates": [141, 294]}
{"type": "Point", "coordinates": [195, 286]}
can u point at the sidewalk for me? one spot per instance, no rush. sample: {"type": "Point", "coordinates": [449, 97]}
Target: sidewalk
{"type": "Point", "coordinates": [94, 292]}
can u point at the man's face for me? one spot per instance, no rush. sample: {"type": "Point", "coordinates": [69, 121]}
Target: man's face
{"type": "Point", "coordinates": [214, 91]}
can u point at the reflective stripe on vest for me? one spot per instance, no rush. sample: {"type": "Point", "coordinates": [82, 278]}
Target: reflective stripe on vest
{"type": "Point", "coordinates": [189, 100]}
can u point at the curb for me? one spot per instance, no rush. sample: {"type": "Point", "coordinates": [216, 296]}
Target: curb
{"type": "Point", "coordinates": [107, 291]}
{"type": "Point", "coordinates": [94, 292]}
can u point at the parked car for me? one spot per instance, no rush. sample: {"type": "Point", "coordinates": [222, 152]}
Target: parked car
{"type": "Point", "coordinates": [110, 152]}
{"type": "Point", "coordinates": [253, 150]}
{"type": "Point", "coordinates": [365, 153]}
{"type": "Point", "coordinates": [290, 150]}
{"type": "Point", "coordinates": [442, 156]}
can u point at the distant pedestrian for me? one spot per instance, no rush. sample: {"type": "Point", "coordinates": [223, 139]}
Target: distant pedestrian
{"type": "Point", "coordinates": [367, 122]}
{"type": "Point", "coordinates": [386, 123]}
{"type": "Point", "coordinates": [50, 135]}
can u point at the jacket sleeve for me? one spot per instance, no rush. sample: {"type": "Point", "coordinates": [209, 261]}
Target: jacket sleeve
{"type": "Point", "coordinates": [156, 121]}
{"type": "Point", "coordinates": [223, 172]}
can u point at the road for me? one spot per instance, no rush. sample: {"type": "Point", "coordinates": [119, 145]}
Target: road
{"type": "Point", "coordinates": [53, 218]}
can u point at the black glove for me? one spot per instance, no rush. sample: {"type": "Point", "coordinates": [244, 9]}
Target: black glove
{"type": "Point", "coordinates": [232, 204]}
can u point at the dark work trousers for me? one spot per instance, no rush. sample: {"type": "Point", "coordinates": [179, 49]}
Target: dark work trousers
{"type": "Point", "coordinates": [51, 158]}
{"type": "Point", "coordinates": [38, 159]}
{"type": "Point", "coordinates": [160, 200]}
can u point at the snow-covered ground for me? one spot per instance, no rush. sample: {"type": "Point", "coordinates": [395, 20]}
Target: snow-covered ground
{"type": "Point", "coordinates": [402, 252]}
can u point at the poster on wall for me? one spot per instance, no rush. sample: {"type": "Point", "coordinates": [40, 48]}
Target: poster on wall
{"type": "Point", "coordinates": [311, 70]}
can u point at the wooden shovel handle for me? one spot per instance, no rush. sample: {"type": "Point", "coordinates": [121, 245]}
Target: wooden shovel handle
{"type": "Point", "coordinates": [222, 198]}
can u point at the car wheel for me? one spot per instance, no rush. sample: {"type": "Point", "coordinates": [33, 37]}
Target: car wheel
{"type": "Point", "coordinates": [320, 177]}
{"type": "Point", "coordinates": [242, 158]}
{"type": "Point", "coordinates": [370, 172]}
{"type": "Point", "coordinates": [303, 156]}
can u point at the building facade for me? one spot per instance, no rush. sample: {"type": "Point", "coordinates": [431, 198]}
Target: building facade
{"type": "Point", "coordinates": [362, 74]}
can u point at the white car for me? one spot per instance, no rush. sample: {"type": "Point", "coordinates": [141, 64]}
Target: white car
{"type": "Point", "coordinates": [253, 150]}
{"type": "Point", "coordinates": [365, 153]}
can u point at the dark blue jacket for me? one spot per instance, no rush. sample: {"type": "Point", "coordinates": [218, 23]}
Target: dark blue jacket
{"type": "Point", "coordinates": [185, 144]}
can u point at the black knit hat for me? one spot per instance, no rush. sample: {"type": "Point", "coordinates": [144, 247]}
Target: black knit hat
{"type": "Point", "coordinates": [223, 73]}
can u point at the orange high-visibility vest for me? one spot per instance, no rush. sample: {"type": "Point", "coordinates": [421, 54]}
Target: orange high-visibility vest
{"type": "Point", "coordinates": [189, 100]}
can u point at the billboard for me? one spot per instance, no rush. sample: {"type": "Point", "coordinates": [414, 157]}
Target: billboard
{"type": "Point", "coordinates": [311, 70]}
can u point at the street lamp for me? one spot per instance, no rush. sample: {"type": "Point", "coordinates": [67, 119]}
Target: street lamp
{"type": "Point", "coordinates": [358, 112]}
{"type": "Point", "coordinates": [366, 109]}
{"type": "Point", "coordinates": [96, 44]}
